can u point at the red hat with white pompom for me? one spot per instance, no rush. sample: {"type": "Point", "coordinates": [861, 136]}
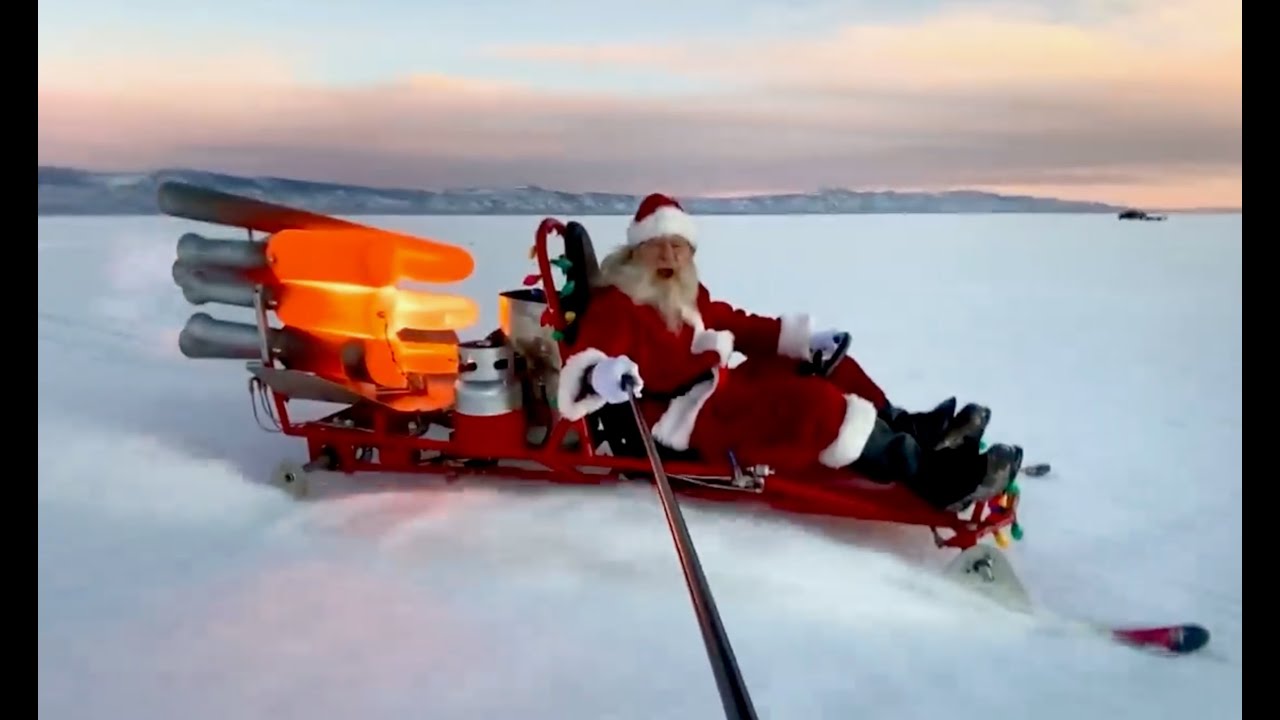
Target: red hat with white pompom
{"type": "Point", "coordinates": [659, 216]}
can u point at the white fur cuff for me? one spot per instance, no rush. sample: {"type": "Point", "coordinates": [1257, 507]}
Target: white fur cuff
{"type": "Point", "coordinates": [719, 340]}
{"type": "Point", "coordinates": [573, 378]}
{"type": "Point", "coordinates": [855, 430]}
{"type": "Point", "coordinates": [793, 338]}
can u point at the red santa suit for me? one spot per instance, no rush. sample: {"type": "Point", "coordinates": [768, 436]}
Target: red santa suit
{"type": "Point", "coordinates": [761, 409]}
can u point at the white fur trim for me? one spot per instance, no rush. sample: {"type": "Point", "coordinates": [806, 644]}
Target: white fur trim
{"type": "Point", "coordinates": [859, 421]}
{"type": "Point", "coordinates": [719, 340]}
{"type": "Point", "coordinates": [675, 427]}
{"type": "Point", "coordinates": [573, 377]}
{"type": "Point", "coordinates": [793, 338]}
{"type": "Point", "coordinates": [663, 221]}
{"type": "Point", "coordinates": [694, 318]}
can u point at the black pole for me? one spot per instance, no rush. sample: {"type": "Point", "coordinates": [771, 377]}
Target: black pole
{"type": "Point", "coordinates": [733, 691]}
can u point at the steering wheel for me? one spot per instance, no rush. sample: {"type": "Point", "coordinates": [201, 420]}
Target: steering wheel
{"type": "Point", "coordinates": [822, 368]}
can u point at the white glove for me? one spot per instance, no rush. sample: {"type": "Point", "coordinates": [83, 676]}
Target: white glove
{"type": "Point", "coordinates": [825, 342]}
{"type": "Point", "coordinates": [606, 379]}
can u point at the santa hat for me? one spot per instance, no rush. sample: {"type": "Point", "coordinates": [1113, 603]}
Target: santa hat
{"type": "Point", "coordinates": [659, 215]}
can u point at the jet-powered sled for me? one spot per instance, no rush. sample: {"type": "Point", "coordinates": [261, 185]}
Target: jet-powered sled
{"type": "Point", "coordinates": [333, 324]}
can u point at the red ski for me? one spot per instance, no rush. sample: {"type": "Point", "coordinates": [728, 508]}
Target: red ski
{"type": "Point", "coordinates": [1173, 639]}
{"type": "Point", "coordinates": [984, 569]}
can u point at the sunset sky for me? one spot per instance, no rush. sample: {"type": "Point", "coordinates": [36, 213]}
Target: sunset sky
{"type": "Point", "coordinates": [1125, 101]}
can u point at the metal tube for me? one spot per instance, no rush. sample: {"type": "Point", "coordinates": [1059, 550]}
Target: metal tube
{"type": "Point", "coordinates": [733, 690]}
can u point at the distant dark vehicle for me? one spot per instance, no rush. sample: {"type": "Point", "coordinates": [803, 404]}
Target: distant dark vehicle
{"type": "Point", "coordinates": [1139, 215]}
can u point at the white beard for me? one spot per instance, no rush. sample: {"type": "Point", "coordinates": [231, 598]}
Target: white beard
{"type": "Point", "coordinates": [674, 298]}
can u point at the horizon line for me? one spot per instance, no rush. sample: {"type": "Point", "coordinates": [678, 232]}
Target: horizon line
{"type": "Point", "coordinates": [728, 196]}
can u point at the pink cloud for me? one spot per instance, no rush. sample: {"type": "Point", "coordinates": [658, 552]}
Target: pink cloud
{"type": "Point", "coordinates": [992, 46]}
{"type": "Point", "coordinates": [1144, 108]}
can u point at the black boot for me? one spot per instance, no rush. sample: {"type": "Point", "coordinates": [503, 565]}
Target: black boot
{"type": "Point", "coordinates": [961, 475]}
{"type": "Point", "coordinates": [968, 425]}
{"type": "Point", "coordinates": [941, 427]}
{"type": "Point", "coordinates": [950, 478]}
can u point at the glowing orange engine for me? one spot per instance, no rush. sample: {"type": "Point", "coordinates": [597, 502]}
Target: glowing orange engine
{"type": "Point", "coordinates": [336, 293]}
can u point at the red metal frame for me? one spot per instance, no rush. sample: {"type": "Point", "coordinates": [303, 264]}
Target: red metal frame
{"type": "Point", "coordinates": [384, 442]}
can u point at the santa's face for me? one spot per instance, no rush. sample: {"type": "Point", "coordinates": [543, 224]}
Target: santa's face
{"type": "Point", "coordinates": [666, 257]}
{"type": "Point", "coordinates": [659, 272]}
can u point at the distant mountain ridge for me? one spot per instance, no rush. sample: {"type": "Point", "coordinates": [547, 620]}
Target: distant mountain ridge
{"type": "Point", "coordinates": [70, 191]}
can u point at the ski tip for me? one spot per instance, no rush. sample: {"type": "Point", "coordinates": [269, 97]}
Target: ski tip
{"type": "Point", "coordinates": [1037, 470]}
{"type": "Point", "coordinates": [1190, 638]}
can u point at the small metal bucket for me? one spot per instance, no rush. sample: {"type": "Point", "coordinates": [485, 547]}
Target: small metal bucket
{"type": "Point", "coordinates": [520, 317]}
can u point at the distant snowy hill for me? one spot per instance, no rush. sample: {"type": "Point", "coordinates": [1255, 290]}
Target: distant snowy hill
{"type": "Point", "coordinates": [68, 191]}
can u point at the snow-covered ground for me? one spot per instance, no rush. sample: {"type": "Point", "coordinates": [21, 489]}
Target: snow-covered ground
{"type": "Point", "coordinates": [174, 583]}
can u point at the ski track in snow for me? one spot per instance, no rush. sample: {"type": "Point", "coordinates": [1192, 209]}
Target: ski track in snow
{"type": "Point", "coordinates": [174, 583]}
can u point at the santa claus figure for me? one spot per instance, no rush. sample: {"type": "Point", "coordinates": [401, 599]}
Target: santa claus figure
{"type": "Point", "coordinates": [651, 320]}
